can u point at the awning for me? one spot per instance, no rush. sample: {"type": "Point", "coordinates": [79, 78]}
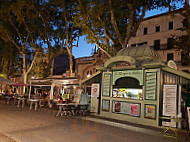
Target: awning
{"type": "Point", "coordinates": [20, 84]}
{"type": "Point", "coordinates": [95, 78]}
{"type": "Point", "coordinates": [6, 81]}
{"type": "Point", "coordinates": [177, 72]}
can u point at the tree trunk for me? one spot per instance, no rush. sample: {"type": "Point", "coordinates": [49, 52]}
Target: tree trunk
{"type": "Point", "coordinates": [24, 71]}
{"type": "Point", "coordinates": [25, 81]}
{"type": "Point", "coordinates": [70, 61]}
{"type": "Point", "coordinates": [186, 3]}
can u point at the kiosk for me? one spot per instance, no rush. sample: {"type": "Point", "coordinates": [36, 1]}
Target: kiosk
{"type": "Point", "coordinates": [137, 87]}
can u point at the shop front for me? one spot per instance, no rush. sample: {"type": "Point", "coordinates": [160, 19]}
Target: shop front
{"type": "Point", "coordinates": [137, 87]}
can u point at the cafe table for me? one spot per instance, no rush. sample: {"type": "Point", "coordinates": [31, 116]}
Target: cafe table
{"type": "Point", "coordinates": [35, 102]}
{"type": "Point", "coordinates": [64, 109]}
{"type": "Point", "coordinates": [21, 99]}
{"type": "Point", "coordinates": [8, 99]}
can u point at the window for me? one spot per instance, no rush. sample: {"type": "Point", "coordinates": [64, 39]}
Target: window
{"type": "Point", "coordinates": [134, 34]}
{"type": "Point", "coordinates": [89, 73]}
{"type": "Point", "coordinates": [170, 56]}
{"type": "Point", "coordinates": [184, 60]}
{"type": "Point", "coordinates": [186, 71]}
{"type": "Point", "coordinates": [142, 43]}
{"type": "Point", "coordinates": [157, 28]}
{"type": "Point", "coordinates": [127, 87]}
{"type": "Point", "coordinates": [133, 45]}
{"type": "Point", "coordinates": [157, 44]}
{"type": "Point", "coordinates": [145, 31]}
{"type": "Point", "coordinates": [170, 25]}
{"type": "Point", "coordinates": [170, 43]}
{"type": "Point", "coordinates": [185, 23]}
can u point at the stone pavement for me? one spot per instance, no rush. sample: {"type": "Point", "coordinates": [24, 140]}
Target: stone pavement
{"type": "Point", "coordinates": [31, 126]}
{"type": "Point", "coordinates": [5, 138]}
{"type": "Point", "coordinates": [157, 131]}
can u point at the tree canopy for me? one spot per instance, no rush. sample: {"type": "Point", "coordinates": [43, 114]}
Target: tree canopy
{"type": "Point", "coordinates": [182, 42]}
{"type": "Point", "coordinates": [110, 23]}
{"type": "Point", "coordinates": [35, 31]}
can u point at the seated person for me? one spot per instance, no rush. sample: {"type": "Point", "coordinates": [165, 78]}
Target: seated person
{"type": "Point", "coordinates": [6, 93]}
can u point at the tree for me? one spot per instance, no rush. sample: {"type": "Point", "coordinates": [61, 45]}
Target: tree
{"type": "Point", "coordinates": [110, 23]}
{"type": "Point", "coordinates": [67, 30]}
{"type": "Point", "coordinates": [182, 43]}
{"type": "Point", "coordinates": [18, 27]}
{"type": "Point", "coordinates": [48, 36]}
{"type": "Point", "coordinates": [9, 59]}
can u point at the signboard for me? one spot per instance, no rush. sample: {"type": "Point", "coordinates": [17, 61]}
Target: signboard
{"type": "Point", "coordinates": [105, 105]}
{"type": "Point", "coordinates": [150, 111]}
{"type": "Point", "coordinates": [188, 112]}
{"type": "Point", "coordinates": [169, 100]}
{"type": "Point", "coordinates": [127, 108]}
{"type": "Point", "coordinates": [95, 90]}
{"type": "Point", "coordinates": [150, 85]}
{"type": "Point", "coordinates": [78, 91]}
{"type": "Point", "coordinates": [122, 65]}
{"type": "Point", "coordinates": [138, 74]}
{"type": "Point", "coordinates": [106, 84]}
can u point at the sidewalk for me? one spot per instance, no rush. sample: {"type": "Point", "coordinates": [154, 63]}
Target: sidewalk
{"type": "Point", "coordinates": [5, 138]}
{"type": "Point", "coordinates": [156, 131]}
{"type": "Point", "coordinates": [44, 126]}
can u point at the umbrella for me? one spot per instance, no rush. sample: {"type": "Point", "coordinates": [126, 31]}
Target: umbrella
{"type": "Point", "coordinates": [5, 81]}
{"type": "Point", "coordinates": [20, 84]}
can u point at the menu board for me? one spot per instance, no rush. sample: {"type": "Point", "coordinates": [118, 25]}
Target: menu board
{"type": "Point", "coordinates": [150, 111]}
{"type": "Point", "coordinates": [137, 74]}
{"type": "Point", "coordinates": [150, 86]}
{"type": "Point", "coordinates": [169, 100]}
{"type": "Point", "coordinates": [106, 84]}
{"type": "Point", "coordinates": [105, 105]}
{"type": "Point", "coordinates": [127, 108]}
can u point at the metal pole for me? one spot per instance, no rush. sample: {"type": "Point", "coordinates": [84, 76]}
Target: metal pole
{"type": "Point", "coordinates": [51, 91]}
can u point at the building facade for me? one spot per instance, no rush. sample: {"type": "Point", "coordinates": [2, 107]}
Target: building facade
{"type": "Point", "coordinates": [159, 32]}
{"type": "Point", "coordinates": [86, 66]}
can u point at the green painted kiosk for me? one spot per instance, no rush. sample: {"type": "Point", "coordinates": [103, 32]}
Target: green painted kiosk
{"type": "Point", "coordinates": [137, 87]}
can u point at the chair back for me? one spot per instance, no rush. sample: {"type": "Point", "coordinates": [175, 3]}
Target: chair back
{"type": "Point", "coordinates": [76, 99]}
{"type": "Point", "coordinates": [84, 99]}
{"type": "Point", "coordinates": [64, 96]}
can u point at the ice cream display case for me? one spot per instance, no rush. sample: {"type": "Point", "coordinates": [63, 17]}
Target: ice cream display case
{"type": "Point", "coordinates": [129, 93]}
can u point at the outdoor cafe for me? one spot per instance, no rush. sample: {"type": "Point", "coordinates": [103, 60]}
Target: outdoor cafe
{"type": "Point", "coordinates": [61, 93]}
{"type": "Point", "coordinates": [13, 92]}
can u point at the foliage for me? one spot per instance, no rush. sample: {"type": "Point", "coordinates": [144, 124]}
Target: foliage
{"type": "Point", "coordinates": [67, 29]}
{"type": "Point", "coordinates": [110, 23]}
{"type": "Point", "coordinates": [183, 42]}
{"type": "Point", "coordinates": [9, 59]}
{"type": "Point", "coordinates": [19, 27]}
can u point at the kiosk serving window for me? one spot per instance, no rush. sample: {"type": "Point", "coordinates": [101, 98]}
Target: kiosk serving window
{"type": "Point", "coordinates": [127, 87]}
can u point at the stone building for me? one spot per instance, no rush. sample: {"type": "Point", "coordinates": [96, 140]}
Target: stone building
{"type": "Point", "coordinates": [86, 66]}
{"type": "Point", "coordinates": [158, 31]}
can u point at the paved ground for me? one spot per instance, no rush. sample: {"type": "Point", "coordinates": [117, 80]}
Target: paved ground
{"type": "Point", "coordinates": [5, 138]}
{"type": "Point", "coordinates": [30, 126]}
